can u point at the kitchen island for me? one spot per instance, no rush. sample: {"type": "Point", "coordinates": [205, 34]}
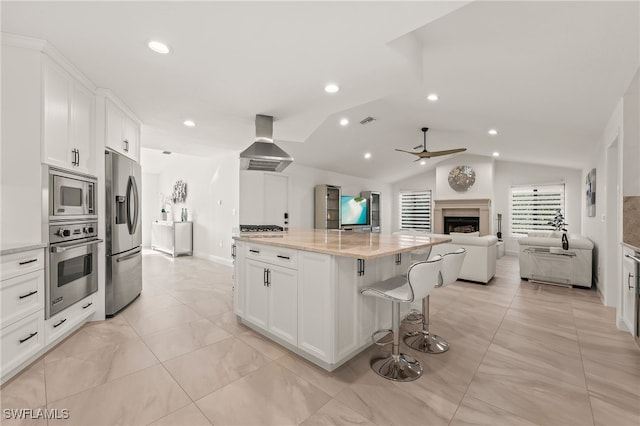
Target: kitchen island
{"type": "Point", "coordinates": [302, 288]}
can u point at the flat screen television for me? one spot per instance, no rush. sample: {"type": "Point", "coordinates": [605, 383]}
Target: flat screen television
{"type": "Point", "coordinates": [353, 210]}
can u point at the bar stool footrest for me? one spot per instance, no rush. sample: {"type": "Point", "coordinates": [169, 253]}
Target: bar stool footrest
{"type": "Point", "coordinates": [375, 341]}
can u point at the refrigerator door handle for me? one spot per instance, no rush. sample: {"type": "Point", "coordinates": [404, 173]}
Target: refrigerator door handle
{"type": "Point", "coordinates": [132, 219]}
{"type": "Point", "coordinates": [136, 204]}
{"type": "Point", "coordinates": [129, 256]}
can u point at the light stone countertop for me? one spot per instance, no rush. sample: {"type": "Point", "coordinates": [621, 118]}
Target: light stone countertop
{"type": "Point", "coordinates": [361, 245]}
{"type": "Point", "coordinates": [19, 247]}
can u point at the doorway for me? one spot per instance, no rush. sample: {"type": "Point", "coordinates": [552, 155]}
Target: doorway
{"type": "Point", "coordinates": [613, 211]}
{"type": "Point", "coordinates": [276, 200]}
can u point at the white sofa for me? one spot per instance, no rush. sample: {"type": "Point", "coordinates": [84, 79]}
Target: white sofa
{"type": "Point", "coordinates": [480, 262]}
{"type": "Point", "coordinates": [542, 258]}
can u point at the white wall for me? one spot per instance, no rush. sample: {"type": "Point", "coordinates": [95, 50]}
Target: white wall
{"type": "Point", "coordinates": [622, 129]}
{"type": "Point", "coordinates": [302, 180]}
{"type": "Point", "coordinates": [509, 173]}
{"type": "Point", "coordinates": [482, 187]}
{"type": "Point", "coordinates": [495, 180]}
{"type": "Point", "coordinates": [150, 210]}
{"type": "Point", "coordinates": [212, 197]}
{"type": "Point", "coordinates": [422, 182]}
{"type": "Point", "coordinates": [20, 178]}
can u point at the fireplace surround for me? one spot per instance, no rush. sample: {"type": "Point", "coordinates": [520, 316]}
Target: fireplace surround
{"type": "Point", "coordinates": [471, 208]}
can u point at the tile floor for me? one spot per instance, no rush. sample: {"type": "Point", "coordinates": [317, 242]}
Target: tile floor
{"type": "Point", "coordinates": [521, 354]}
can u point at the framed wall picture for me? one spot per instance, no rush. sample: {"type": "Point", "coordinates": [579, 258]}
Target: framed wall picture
{"type": "Point", "coordinates": [591, 193]}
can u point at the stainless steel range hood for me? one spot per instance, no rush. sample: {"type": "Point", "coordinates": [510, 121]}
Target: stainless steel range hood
{"type": "Point", "coordinates": [263, 154]}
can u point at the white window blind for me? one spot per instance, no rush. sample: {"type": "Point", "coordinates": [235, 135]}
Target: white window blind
{"type": "Point", "coordinates": [415, 210]}
{"type": "Point", "coordinates": [532, 207]}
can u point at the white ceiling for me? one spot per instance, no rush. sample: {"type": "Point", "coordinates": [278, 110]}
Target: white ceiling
{"type": "Point", "coordinates": [547, 75]}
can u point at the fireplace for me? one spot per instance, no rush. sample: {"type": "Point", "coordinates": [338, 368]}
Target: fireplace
{"type": "Point", "coordinates": [460, 210]}
{"type": "Point", "coordinates": [461, 224]}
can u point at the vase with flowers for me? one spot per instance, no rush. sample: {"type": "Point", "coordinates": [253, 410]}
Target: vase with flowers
{"type": "Point", "coordinates": [559, 224]}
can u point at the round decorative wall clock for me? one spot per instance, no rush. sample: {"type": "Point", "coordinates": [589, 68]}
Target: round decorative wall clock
{"type": "Point", "coordinates": [461, 178]}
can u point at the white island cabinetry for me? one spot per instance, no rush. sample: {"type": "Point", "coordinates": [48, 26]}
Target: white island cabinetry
{"type": "Point", "coordinates": [310, 302]}
{"type": "Point", "coordinates": [271, 288]}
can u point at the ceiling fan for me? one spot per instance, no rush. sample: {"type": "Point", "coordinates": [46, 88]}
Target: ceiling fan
{"type": "Point", "coordinates": [428, 154]}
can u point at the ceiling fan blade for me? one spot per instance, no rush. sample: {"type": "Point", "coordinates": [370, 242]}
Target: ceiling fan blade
{"type": "Point", "coordinates": [446, 152]}
{"type": "Point", "coordinates": [409, 152]}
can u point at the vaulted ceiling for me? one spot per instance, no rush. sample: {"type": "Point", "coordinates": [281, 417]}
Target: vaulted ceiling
{"type": "Point", "coordinates": [547, 75]}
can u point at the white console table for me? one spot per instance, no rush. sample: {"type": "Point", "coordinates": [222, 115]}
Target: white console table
{"type": "Point", "coordinates": [174, 238]}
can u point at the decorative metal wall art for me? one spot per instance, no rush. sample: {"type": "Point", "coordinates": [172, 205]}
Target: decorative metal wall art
{"type": "Point", "coordinates": [461, 178]}
{"type": "Point", "coordinates": [179, 192]}
{"type": "Point", "coordinates": [591, 193]}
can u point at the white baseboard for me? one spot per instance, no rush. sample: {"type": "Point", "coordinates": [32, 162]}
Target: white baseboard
{"type": "Point", "coordinates": [215, 259]}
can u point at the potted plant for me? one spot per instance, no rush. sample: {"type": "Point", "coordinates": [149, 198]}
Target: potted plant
{"type": "Point", "coordinates": [559, 224]}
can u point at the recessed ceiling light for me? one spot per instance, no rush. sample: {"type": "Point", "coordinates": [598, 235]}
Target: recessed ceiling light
{"type": "Point", "coordinates": [422, 163]}
{"type": "Point", "coordinates": [344, 121]}
{"type": "Point", "coordinates": [432, 97]}
{"type": "Point", "coordinates": [189, 123]}
{"type": "Point", "coordinates": [496, 154]}
{"type": "Point", "coordinates": [159, 47]}
{"type": "Point", "coordinates": [367, 155]}
{"type": "Point", "coordinates": [492, 132]}
{"type": "Point", "coordinates": [331, 88]}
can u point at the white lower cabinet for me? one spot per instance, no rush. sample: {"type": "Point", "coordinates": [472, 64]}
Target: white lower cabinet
{"type": "Point", "coordinates": [628, 289]}
{"type": "Point", "coordinates": [271, 298]}
{"type": "Point", "coordinates": [174, 238]}
{"type": "Point", "coordinates": [22, 333]}
{"type": "Point", "coordinates": [63, 322]}
{"type": "Point", "coordinates": [314, 304]}
{"type": "Point", "coordinates": [22, 340]}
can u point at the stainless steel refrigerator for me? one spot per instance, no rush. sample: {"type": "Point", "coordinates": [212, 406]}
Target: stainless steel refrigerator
{"type": "Point", "coordinates": [123, 232]}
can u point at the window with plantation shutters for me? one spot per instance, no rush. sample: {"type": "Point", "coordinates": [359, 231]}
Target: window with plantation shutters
{"type": "Point", "coordinates": [415, 210]}
{"type": "Point", "coordinates": [532, 207]}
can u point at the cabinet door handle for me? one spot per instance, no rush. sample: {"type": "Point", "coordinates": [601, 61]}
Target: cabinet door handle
{"type": "Point", "coordinates": [77, 157]}
{"type": "Point", "coordinates": [126, 145]}
{"type": "Point", "coordinates": [87, 305]}
{"type": "Point", "coordinates": [60, 323]}
{"type": "Point", "coordinates": [24, 262]}
{"type": "Point", "coordinates": [254, 251]}
{"type": "Point", "coordinates": [268, 277]}
{"type": "Point", "coordinates": [283, 257]}
{"type": "Point", "coordinates": [629, 280]}
{"type": "Point", "coordinates": [28, 294]}
{"type": "Point", "coordinates": [264, 276]}
{"type": "Point", "coordinates": [27, 338]}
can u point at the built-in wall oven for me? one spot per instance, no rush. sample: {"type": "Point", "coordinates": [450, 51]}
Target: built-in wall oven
{"type": "Point", "coordinates": [73, 264]}
{"type": "Point", "coordinates": [72, 261]}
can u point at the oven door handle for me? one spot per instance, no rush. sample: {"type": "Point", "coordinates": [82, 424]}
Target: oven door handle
{"type": "Point", "coordinates": [60, 249]}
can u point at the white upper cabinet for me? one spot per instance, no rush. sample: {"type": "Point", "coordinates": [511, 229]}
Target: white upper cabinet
{"type": "Point", "coordinates": [68, 111]}
{"type": "Point", "coordinates": [122, 131]}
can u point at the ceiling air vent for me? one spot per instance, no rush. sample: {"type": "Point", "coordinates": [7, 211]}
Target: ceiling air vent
{"type": "Point", "coordinates": [367, 120]}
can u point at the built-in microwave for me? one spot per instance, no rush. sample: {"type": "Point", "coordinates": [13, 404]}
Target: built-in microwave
{"type": "Point", "coordinates": [71, 195]}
